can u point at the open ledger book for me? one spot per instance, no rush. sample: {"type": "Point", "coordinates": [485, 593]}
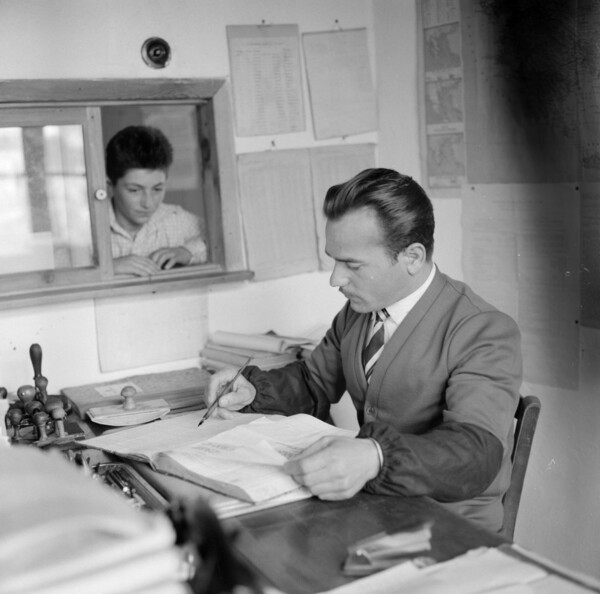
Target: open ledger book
{"type": "Point", "coordinates": [241, 458]}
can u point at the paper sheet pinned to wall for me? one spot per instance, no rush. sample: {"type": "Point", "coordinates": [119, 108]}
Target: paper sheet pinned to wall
{"type": "Point", "coordinates": [279, 224]}
{"type": "Point", "coordinates": [282, 195]}
{"type": "Point", "coordinates": [135, 331]}
{"type": "Point", "coordinates": [332, 165]}
{"type": "Point", "coordinates": [521, 253]}
{"type": "Point", "coordinates": [590, 254]}
{"type": "Point", "coordinates": [266, 79]}
{"type": "Point", "coordinates": [342, 94]}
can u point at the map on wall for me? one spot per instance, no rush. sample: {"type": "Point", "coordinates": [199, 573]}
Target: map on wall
{"type": "Point", "coordinates": [444, 94]}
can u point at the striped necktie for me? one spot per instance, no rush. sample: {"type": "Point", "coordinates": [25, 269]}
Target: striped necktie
{"type": "Point", "coordinates": [374, 347]}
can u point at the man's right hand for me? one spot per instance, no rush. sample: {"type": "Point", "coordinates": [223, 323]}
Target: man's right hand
{"type": "Point", "coordinates": [241, 394]}
{"type": "Point", "coordinates": [136, 265]}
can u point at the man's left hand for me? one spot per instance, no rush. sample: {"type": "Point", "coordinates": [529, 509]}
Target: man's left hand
{"type": "Point", "coordinates": [335, 468]}
{"type": "Point", "coordinates": [166, 258]}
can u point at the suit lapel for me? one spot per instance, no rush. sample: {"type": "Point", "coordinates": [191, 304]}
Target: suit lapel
{"type": "Point", "coordinates": [405, 329]}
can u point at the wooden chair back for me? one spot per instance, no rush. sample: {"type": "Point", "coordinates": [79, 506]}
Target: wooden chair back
{"type": "Point", "coordinates": [526, 417]}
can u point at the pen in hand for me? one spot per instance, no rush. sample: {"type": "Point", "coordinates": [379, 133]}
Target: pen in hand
{"type": "Point", "coordinates": [224, 390]}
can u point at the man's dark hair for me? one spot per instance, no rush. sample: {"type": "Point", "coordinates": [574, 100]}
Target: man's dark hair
{"type": "Point", "coordinates": [137, 147]}
{"type": "Point", "coordinates": [403, 208]}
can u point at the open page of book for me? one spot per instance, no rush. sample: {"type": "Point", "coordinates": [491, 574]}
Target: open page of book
{"type": "Point", "coordinates": [224, 506]}
{"type": "Point", "coordinates": [241, 457]}
{"type": "Point", "coordinates": [247, 461]}
{"type": "Point", "coordinates": [144, 442]}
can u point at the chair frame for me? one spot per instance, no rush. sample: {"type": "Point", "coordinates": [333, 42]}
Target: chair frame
{"type": "Point", "coordinates": [526, 415]}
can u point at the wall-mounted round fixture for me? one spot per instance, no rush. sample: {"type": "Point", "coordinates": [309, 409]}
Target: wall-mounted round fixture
{"type": "Point", "coordinates": [156, 52]}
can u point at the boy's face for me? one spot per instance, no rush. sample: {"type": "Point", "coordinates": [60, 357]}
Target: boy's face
{"type": "Point", "coordinates": [137, 195]}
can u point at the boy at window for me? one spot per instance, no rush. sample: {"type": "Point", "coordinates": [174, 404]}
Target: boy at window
{"type": "Point", "coordinates": [147, 235]}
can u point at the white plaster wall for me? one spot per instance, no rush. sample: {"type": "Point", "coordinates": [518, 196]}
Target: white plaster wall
{"type": "Point", "coordinates": [559, 513]}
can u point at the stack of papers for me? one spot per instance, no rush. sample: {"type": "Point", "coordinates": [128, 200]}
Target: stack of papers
{"type": "Point", "coordinates": [62, 532]}
{"type": "Point", "coordinates": [267, 351]}
{"type": "Point", "coordinates": [479, 571]}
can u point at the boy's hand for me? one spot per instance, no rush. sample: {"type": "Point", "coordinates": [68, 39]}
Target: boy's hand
{"type": "Point", "coordinates": [166, 258]}
{"type": "Point", "coordinates": [136, 265]}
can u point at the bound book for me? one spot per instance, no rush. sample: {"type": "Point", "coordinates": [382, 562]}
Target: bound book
{"type": "Point", "coordinates": [271, 342]}
{"type": "Point", "coordinates": [216, 356]}
{"type": "Point", "coordinates": [268, 351]}
{"type": "Point", "coordinates": [242, 458]}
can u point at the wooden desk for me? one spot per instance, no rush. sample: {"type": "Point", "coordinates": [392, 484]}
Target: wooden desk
{"type": "Point", "coordinates": [299, 548]}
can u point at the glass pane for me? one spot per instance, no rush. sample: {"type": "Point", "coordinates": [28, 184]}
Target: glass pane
{"type": "Point", "coordinates": [180, 124]}
{"type": "Point", "coordinates": [45, 222]}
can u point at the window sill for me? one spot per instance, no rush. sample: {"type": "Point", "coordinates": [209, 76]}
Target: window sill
{"type": "Point", "coordinates": [126, 285]}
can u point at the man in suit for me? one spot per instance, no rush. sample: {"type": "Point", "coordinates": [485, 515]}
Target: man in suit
{"type": "Point", "coordinates": [436, 402]}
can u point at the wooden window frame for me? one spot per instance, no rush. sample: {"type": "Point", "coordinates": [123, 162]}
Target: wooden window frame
{"type": "Point", "coordinates": [219, 184]}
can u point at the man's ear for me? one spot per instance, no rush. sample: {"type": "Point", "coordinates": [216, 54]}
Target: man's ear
{"type": "Point", "coordinates": [415, 256]}
{"type": "Point", "coordinates": [109, 188]}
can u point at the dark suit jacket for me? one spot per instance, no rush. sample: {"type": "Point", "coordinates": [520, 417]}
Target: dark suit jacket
{"type": "Point", "coordinates": [441, 401]}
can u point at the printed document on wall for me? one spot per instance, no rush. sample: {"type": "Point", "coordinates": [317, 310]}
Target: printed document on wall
{"type": "Point", "coordinates": [340, 83]}
{"type": "Point", "coordinates": [139, 330]}
{"type": "Point", "coordinates": [590, 254]}
{"type": "Point", "coordinates": [521, 253]}
{"type": "Point", "coordinates": [277, 209]}
{"type": "Point", "coordinates": [332, 165]}
{"type": "Point", "coordinates": [266, 79]}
